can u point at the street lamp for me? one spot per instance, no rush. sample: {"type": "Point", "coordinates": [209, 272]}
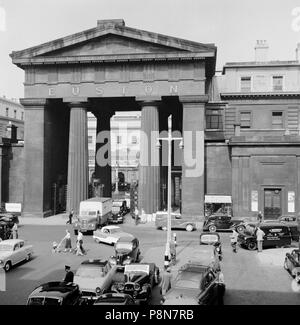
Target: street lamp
{"type": "Point", "coordinates": [169, 139]}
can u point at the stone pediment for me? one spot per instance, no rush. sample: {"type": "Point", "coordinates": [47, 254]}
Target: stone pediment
{"type": "Point", "coordinates": [111, 38]}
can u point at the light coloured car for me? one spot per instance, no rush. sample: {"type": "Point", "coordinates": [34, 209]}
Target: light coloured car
{"type": "Point", "coordinates": [109, 234]}
{"type": "Point", "coordinates": [95, 277]}
{"type": "Point", "coordinates": [14, 251]}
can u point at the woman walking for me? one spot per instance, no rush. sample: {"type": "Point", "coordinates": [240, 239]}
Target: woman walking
{"type": "Point", "coordinates": [68, 244]}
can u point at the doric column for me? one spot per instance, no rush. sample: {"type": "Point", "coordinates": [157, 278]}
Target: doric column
{"type": "Point", "coordinates": [103, 159]}
{"type": "Point", "coordinates": [78, 156]}
{"type": "Point", "coordinates": [35, 164]}
{"type": "Point", "coordinates": [149, 170]}
{"type": "Point", "coordinates": [193, 158]}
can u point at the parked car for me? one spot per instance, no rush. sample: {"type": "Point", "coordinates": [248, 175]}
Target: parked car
{"type": "Point", "coordinates": [55, 294]}
{"type": "Point", "coordinates": [220, 221]}
{"type": "Point", "coordinates": [139, 281]}
{"type": "Point", "coordinates": [114, 299]}
{"type": "Point", "coordinates": [177, 221]}
{"type": "Point", "coordinates": [14, 251]}
{"type": "Point", "coordinates": [94, 277]}
{"type": "Point", "coordinates": [109, 234]}
{"type": "Point", "coordinates": [292, 262]}
{"type": "Point", "coordinates": [195, 284]}
{"type": "Point", "coordinates": [5, 231]}
{"type": "Point", "coordinates": [9, 218]}
{"type": "Point", "coordinates": [291, 222]}
{"type": "Point", "coordinates": [127, 250]}
{"type": "Point", "coordinates": [116, 218]}
{"type": "Point", "coordinates": [277, 234]}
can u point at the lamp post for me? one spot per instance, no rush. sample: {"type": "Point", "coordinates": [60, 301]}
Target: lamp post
{"type": "Point", "coordinates": [117, 178]}
{"type": "Point", "coordinates": [169, 139]}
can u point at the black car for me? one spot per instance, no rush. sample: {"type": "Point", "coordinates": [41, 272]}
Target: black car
{"type": "Point", "coordinates": [116, 218]}
{"type": "Point", "coordinates": [127, 250]}
{"type": "Point", "coordinates": [55, 294]}
{"type": "Point", "coordinates": [219, 221]}
{"type": "Point", "coordinates": [277, 234]}
{"type": "Point", "coordinates": [139, 280]}
{"type": "Point", "coordinates": [114, 299]}
{"type": "Point", "coordinates": [292, 262]}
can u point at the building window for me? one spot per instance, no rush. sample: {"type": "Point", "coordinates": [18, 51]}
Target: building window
{"type": "Point", "coordinates": [119, 139]}
{"type": "Point", "coordinates": [15, 113]}
{"type": "Point", "coordinates": [90, 139]}
{"type": "Point", "coordinates": [245, 84]}
{"type": "Point", "coordinates": [245, 120]}
{"type": "Point", "coordinates": [214, 120]}
{"type": "Point", "coordinates": [277, 83]}
{"type": "Point", "coordinates": [277, 120]}
{"type": "Point", "coordinates": [134, 139]}
{"type": "Point", "coordinates": [7, 111]}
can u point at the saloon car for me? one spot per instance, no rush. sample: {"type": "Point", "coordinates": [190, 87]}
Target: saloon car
{"type": "Point", "coordinates": [109, 234]}
{"type": "Point", "coordinates": [55, 294]}
{"type": "Point", "coordinates": [195, 284]}
{"type": "Point", "coordinates": [220, 221]}
{"type": "Point", "coordinates": [140, 278]}
{"type": "Point", "coordinates": [277, 234]}
{"type": "Point", "coordinates": [94, 277]}
{"type": "Point", "coordinates": [292, 262]}
{"type": "Point", "coordinates": [14, 251]}
{"type": "Point", "coordinates": [177, 221]}
{"type": "Point", "coordinates": [127, 250]}
{"type": "Point", "coordinates": [114, 299]}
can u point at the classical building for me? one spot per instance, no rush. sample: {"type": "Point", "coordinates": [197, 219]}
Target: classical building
{"type": "Point", "coordinates": [261, 126]}
{"type": "Point", "coordinates": [102, 70]}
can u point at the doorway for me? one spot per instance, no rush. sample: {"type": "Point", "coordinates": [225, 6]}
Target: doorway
{"type": "Point", "coordinates": [272, 203]}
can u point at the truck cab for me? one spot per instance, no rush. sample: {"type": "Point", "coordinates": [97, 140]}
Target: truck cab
{"type": "Point", "coordinates": [93, 214]}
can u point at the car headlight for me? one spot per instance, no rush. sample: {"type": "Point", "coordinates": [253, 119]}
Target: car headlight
{"type": "Point", "coordinates": [136, 287]}
{"type": "Point", "coordinates": [98, 291]}
{"type": "Point", "coordinates": [121, 286]}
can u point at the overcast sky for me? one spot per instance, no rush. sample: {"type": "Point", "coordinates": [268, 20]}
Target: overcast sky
{"type": "Point", "coordinates": [232, 25]}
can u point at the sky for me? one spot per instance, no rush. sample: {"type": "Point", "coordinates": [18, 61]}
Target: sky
{"type": "Point", "coordinates": [232, 25]}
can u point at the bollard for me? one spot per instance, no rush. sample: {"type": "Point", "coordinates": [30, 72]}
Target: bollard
{"type": "Point", "coordinates": [175, 238]}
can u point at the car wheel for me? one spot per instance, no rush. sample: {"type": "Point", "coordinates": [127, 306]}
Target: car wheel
{"type": "Point", "coordinates": [164, 228]}
{"type": "Point", "coordinates": [28, 257]}
{"type": "Point", "coordinates": [7, 266]}
{"type": "Point", "coordinates": [285, 265]}
{"type": "Point", "coordinates": [240, 229]}
{"type": "Point", "coordinates": [212, 228]}
{"type": "Point", "coordinates": [189, 228]}
{"type": "Point", "coordinates": [252, 246]}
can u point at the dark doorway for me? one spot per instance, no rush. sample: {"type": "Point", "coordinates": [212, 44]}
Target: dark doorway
{"type": "Point", "coordinates": [272, 203]}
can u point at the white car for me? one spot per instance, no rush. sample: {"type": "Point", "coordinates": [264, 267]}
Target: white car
{"type": "Point", "coordinates": [14, 251]}
{"type": "Point", "coordinates": [109, 234]}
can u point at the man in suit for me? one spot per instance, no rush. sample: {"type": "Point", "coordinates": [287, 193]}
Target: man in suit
{"type": "Point", "coordinates": [69, 274]}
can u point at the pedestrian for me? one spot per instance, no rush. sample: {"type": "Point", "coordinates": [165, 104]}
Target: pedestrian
{"type": "Point", "coordinates": [296, 283]}
{"type": "Point", "coordinates": [15, 231]}
{"type": "Point", "coordinates": [71, 214]}
{"type": "Point", "coordinates": [78, 249]}
{"type": "Point", "coordinates": [166, 282]}
{"type": "Point", "coordinates": [68, 244]}
{"type": "Point", "coordinates": [218, 251]}
{"type": "Point", "coordinates": [233, 240]}
{"type": "Point", "coordinates": [259, 217]}
{"type": "Point", "coordinates": [80, 241]}
{"type": "Point", "coordinates": [259, 238]}
{"type": "Point", "coordinates": [136, 216]}
{"type": "Point", "coordinates": [69, 277]}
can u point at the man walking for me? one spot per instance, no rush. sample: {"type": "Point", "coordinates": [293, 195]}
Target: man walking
{"type": "Point", "coordinates": [259, 238]}
{"type": "Point", "coordinates": [166, 282]}
{"type": "Point", "coordinates": [71, 214]}
{"type": "Point", "coordinates": [15, 231]}
{"type": "Point", "coordinates": [233, 240]}
{"type": "Point", "coordinates": [80, 241]}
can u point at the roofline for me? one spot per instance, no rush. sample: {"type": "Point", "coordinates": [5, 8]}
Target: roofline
{"type": "Point", "coordinates": [259, 95]}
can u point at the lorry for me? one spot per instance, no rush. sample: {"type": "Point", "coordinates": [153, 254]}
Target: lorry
{"type": "Point", "coordinates": [93, 214]}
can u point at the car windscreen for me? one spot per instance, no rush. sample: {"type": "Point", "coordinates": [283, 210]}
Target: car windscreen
{"type": "Point", "coordinates": [38, 301]}
{"type": "Point", "coordinates": [111, 300]}
{"type": "Point", "coordinates": [127, 246]}
{"type": "Point", "coordinates": [188, 280]}
{"type": "Point", "coordinates": [90, 271]}
{"type": "Point", "coordinates": [6, 248]}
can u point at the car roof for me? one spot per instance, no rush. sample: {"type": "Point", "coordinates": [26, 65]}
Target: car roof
{"type": "Point", "coordinates": [126, 239]}
{"type": "Point", "coordinates": [111, 227]}
{"type": "Point", "coordinates": [11, 241]}
{"type": "Point", "coordinates": [53, 289]}
{"type": "Point", "coordinates": [96, 262]}
{"type": "Point", "coordinates": [272, 224]}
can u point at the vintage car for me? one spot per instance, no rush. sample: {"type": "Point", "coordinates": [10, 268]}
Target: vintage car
{"type": "Point", "coordinates": [177, 221]}
{"type": "Point", "coordinates": [5, 231]}
{"type": "Point", "coordinates": [9, 218]}
{"type": "Point", "coordinates": [109, 234]}
{"type": "Point", "coordinates": [292, 262]}
{"type": "Point", "coordinates": [139, 280]}
{"type": "Point", "coordinates": [127, 250]}
{"type": "Point", "coordinates": [55, 294]}
{"type": "Point", "coordinates": [94, 277]}
{"type": "Point", "coordinates": [219, 221]}
{"type": "Point", "coordinates": [277, 234]}
{"type": "Point", "coordinates": [114, 299]}
{"type": "Point", "coordinates": [116, 218]}
{"type": "Point", "coordinates": [14, 251]}
{"type": "Point", "coordinates": [195, 284]}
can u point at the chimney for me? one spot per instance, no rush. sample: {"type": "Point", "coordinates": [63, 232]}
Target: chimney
{"type": "Point", "coordinates": [297, 51]}
{"type": "Point", "coordinates": [261, 51]}
{"type": "Point", "coordinates": [11, 131]}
